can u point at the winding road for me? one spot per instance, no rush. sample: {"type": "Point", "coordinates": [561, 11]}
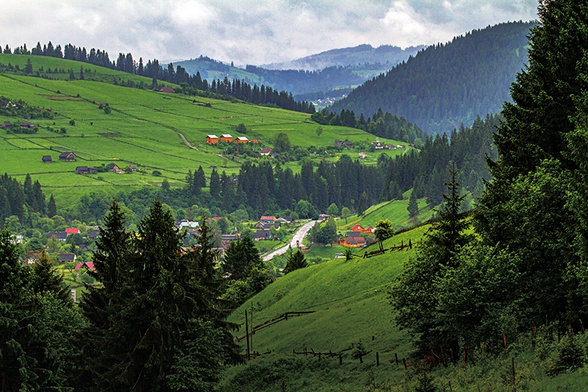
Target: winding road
{"type": "Point", "coordinates": [296, 240]}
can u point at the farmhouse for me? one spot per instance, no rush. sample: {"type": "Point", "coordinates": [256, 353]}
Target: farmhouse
{"type": "Point", "coordinates": [6, 125]}
{"type": "Point", "coordinates": [47, 159]}
{"type": "Point", "coordinates": [241, 139]}
{"type": "Point", "coordinates": [167, 90]}
{"type": "Point", "coordinates": [262, 234]}
{"type": "Point", "coordinates": [211, 139]}
{"type": "Point", "coordinates": [67, 156]}
{"type": "Point", "coordinates": [72, 230]}
{"type": "Point", "coordinates": [267, 219]}
{"type": "Point", "coordinates": [86, 170]}
{"type": "Point", "coordinates": [265, 151]}
{"type": "Point", "coordinates": [87, 265]}
{"type": "Point", "coordinates": [67, 257]}
{"type": "Point", "coordinates": [226, 138]}
{"type": "Point", "coordinates": [59, 235]}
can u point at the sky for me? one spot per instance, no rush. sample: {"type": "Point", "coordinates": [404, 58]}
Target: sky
{"type": "Point", "coordinates": [247, 31]}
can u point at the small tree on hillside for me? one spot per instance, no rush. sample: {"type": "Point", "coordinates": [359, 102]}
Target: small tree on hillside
{"type": "Point", "coordinates": [384, 230]}
{"type": "Point", "coordinates": [296, 260]}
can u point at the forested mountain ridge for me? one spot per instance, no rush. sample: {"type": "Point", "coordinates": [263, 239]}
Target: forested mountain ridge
{"type": "Point", "coordinates": [361, 54]}
{"type": "Point", "coordinates": [446, 85]}
{"type": "Point", "coordinates": [310, 77]}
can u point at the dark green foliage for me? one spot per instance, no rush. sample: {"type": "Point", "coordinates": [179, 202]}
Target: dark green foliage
{"type": "Point", "coordinates": [47, 280]}
{"type": "Point", "coordinates": [281, 143]}
{"type": "Point", "coordinates": [327, 233]}
{"type": "Point", "coordinates": [241, 258]}
{"type": "Point", "coordinates": [36, 326]}
{"type": "Point", "coordinates": [415, 295]}
{"type": "Point", "coordinates": [384, 230]}
{"type": "Point", "coordinates": [157, 304]}
{"type": "Point", "coordinates": [296, 260]}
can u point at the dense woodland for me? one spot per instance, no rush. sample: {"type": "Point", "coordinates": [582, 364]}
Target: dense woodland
{"type": "Point", "coordinates": [446, 85]}
{"type": "Point", "coordinates": [525, 269]}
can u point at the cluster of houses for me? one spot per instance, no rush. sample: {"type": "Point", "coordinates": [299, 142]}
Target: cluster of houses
{"type": "Point", "coordinates": [355, 237]}
{"type": "Point", "coordinates": [226, 138]}
{"type": "Point", "coordinates": [69, 156]}
{"type": "Point", "coordinates": [71, 257]}
{"type": "Point", "coordinates": [23, 124]}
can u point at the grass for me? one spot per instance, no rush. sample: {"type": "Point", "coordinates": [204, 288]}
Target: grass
{"type": "Point", "coordinates": [143, 130]}
{"type": "Point", "coordinates": [350, 305]}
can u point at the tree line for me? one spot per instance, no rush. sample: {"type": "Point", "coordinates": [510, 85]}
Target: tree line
{"type": "Point", "coordinates": [525, 267]}
{"type": "Point", "coordinates": [191, 84]}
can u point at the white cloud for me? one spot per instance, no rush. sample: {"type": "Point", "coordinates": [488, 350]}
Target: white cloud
{"type": "Point", "coordinates": [247, 31]}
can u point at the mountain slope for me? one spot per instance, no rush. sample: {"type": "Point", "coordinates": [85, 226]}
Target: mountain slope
{"type": "Point", "coordinates": [444, 86]}
{"type": "Point", "coordinates": [362, 54]}
{"type": "Point", "coordinates": [319, 74]}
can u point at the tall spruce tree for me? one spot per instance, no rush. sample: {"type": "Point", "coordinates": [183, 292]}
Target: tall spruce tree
{"type": "Point", "coordinates": [528, 208]}
{"type": "Point", "coordinates": [156, 303]}
{"type": "Point", "coordinates": [413, 294]}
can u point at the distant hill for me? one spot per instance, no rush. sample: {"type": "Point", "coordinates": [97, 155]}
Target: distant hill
{"type": "Point", "coordinates": [386, 56]}
{"type": "Point", "coordinates": [446, 85]}
{"type": "Point", "coordinates": [327, 74]}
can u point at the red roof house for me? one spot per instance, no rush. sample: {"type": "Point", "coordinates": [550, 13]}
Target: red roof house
{"type": "Point", "coordinates": [72, 230]}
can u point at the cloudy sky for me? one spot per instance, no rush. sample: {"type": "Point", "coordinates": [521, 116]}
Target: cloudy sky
{"type": "Point", "coordinates": [247, 31]}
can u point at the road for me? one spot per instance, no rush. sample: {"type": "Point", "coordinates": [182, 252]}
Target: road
{"type": "Point", "coordinates": [296, 241]}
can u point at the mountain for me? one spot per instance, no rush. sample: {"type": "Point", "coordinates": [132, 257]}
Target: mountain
{"type": "Point", "coordinates": [446, 85]}
{"type": "Point", "coordinates": [327, 74]}
{"type": "Point", "coordinates": [385, 55]}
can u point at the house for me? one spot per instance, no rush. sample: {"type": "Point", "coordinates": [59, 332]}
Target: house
{"type": "Point", "coordinates": [27, 125]}
{"type": "Point", "coordinates": [362, 155]}
{"type": "Point", "coordinates": [47, 159]}
{"type": "Point", "coordinates": [67, 156]}
{"type": "Point", "coordinates": [87, 265]}
{"type": "Point", "coordinates": [354, 242]}
{"type": "Point", "coordinates": [262, 234]}
{"type": "Point", "coordinates": [59, 235]}
{"type": "Point", "coordinates": [167, 90]}
{"type": "Point", "coordinates": [267, 219]}
{"type": "Point", "coordinates": [343, 144]}
{"type": "Point", "coordinates": [267, 225]}
{"type": "Point", "coordinates": [187, 224]}
{"type": "Point", "coordinates": [378, 145]}
{"type": "Point", "coordinates": [211, 139]}
{"type": "Point", "coordinates": [93, 234]}
{"type": "Point", "coordinates": [241, 139]}
{"type": "Point", "coordinates": [86, 170]}
{"type": "Point", "coordinates": [265, 151]}
{"type": "Point", "coordinates": [226, 240]}
{"type": "Point", "coordinates": [6, 125]}
{"type": "Point", "coordinates": [111, 167]}
{"type": "Point", "coordinates": [132, 168]}
{"type": "Point", "coordinates": [67, 257]}
{"type": "Point", "coordinates": [226, 138]}
{"type": "Point", "coordinates": [72, 230]}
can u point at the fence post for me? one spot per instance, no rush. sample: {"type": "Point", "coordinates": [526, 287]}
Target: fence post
{"type": "Point", "coordinates": [377, 359]}
{"type": "Point", "coordinates": [247, 335]}
{"type": "Point", "coordinates": [340, 359]}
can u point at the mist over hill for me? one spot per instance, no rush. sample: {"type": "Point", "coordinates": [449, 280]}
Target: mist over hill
{"type": "Point", "coordinates": [446, 85]}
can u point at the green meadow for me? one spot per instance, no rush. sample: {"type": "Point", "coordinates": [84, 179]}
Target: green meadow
{"type": "Point", "coordinates": [151, 130]}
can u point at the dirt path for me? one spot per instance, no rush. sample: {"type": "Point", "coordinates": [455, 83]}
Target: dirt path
{"type": "Point", "coordinates": [186, 141]}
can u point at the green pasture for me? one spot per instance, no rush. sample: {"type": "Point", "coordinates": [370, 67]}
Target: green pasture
{"type": "Point", "coordinates": [144, 129]}
{"type": "Point", "coordinates": [348, 299]}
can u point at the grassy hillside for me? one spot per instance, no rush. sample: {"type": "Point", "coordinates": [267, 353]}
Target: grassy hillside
{"type": "Point", "coordinates": [154, 131]}
{"type": "Point", "coordinates": [350, 309]}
